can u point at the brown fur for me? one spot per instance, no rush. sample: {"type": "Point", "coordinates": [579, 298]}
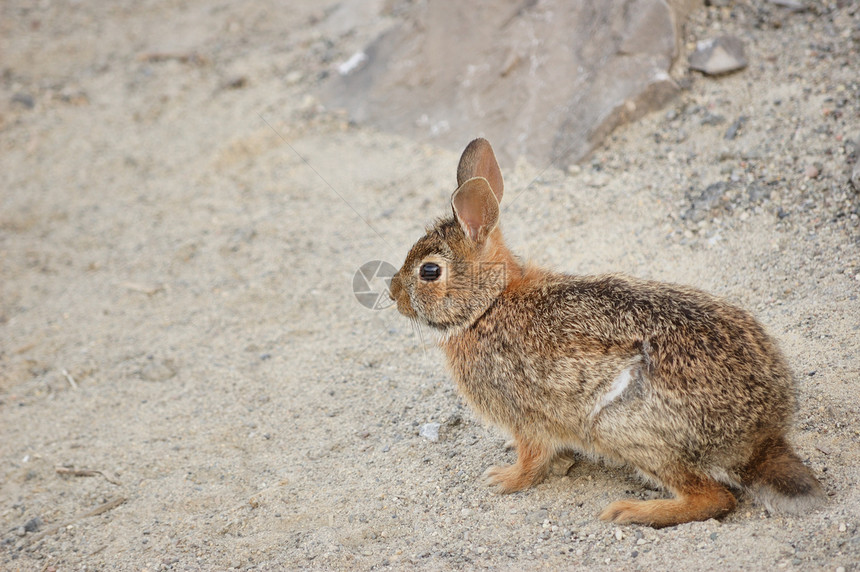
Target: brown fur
{"type": "Point", "coordinates": [685, 387]}
{"type": "Point", "coordinates": [696, 498]}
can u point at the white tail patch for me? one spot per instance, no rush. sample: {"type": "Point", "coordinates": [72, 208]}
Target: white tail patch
{"type": "Point", "coordinates": [616, 390]}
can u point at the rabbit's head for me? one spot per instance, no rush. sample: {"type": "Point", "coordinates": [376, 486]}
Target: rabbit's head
{"type": "Point", "coordinates": [458, 268]}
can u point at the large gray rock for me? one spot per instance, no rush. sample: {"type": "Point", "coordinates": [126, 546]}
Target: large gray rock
{"type": "Point", "coordinates": [548, 79]}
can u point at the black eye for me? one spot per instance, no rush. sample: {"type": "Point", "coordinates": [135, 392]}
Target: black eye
{"type": "Point", "coordinates": [430, 271]}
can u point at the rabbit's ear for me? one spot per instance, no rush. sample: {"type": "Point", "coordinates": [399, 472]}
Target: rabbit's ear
{"type": "Point", "coordinates": [476, 208]}
{"type": "Point", "coordinates": [478, 160]}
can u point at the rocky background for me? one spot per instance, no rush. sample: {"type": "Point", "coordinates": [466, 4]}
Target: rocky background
{"type": "Point", "coordinates": [547, 80]}
{"type": "Point", "coordinates": [187, 381]}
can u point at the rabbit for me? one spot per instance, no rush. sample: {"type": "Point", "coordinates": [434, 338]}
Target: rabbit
{"type": "Point", "coordinates": [680, 385]}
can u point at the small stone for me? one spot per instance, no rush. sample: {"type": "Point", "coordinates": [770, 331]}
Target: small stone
{"type": "Point", "coordinates": [618, 534]}
{"type": "Point", "coordinates": [641, 541]}
{"type": "Point", "coordinates": [713, 119]}
{"type": "Point", "coordinates": [537, 516]}
{"type": "Point", "coordinates": [708, 199]}
{"type": "Point", "coordinates": [719, 56]}
{"type": "Point", "coordinates": [33, 524]}
{"type": "Point", "coordinates": [840, 569]}
{"type": "Point", "coordinates": [24, 99]}
{"type": "Point", "coordinates": [842, 527]}
{"type": "Point", "coordinates": [855, 176]}
{"type": "Point", "coordinates": [791, 5]}
{"type": "Point", "coordinates": [237, 82]}
{"type": "Point", "coordinates": [430, 431]}
{"type": "Point", "coordinates": [733, 129]}
{"type": "Point", "coordinates": [812, 172]}
{"type": "Point", "coordinates": [20, 531]}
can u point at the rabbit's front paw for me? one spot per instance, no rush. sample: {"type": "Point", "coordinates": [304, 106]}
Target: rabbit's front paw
{"type": "Point", "coordinates": [507, 479]}
{"type": "Point", "coordinates": [532, 462]}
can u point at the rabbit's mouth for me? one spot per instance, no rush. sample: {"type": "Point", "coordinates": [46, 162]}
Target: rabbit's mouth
{"type": "Point", "coordinates": [397, 293]}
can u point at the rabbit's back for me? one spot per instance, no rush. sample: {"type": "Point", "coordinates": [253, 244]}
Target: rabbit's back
{"type": "Point", "coordinates": [610, 363]}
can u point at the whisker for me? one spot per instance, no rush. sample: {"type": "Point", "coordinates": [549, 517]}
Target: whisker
{"type": "Point", "coordinates": [417, 325]}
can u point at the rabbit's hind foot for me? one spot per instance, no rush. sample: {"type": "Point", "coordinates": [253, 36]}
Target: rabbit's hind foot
{"type": "Point", "coordinates": [696, 498]}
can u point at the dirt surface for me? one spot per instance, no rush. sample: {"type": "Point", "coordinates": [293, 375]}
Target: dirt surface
{"type": "Point", "coordinates": [179, 228]}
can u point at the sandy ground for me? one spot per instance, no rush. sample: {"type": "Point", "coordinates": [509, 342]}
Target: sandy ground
{"type": "Point", "coordinates": [176, 306]}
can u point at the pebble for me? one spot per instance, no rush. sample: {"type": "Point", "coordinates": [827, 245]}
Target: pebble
{"type": "Point", "coordinates": [792, 5]}
{"type": "Point", "coordinates": [855, 175]}
{"type": "Point", "coordinates": [618, 534]}
{"type": "Point", "coordinates": [719, 56]}
{"type": "Point", "coordinates": [33, 524]}
{"type": "Point", "coordinates": [842, 527]}
{"type": "Point", "coordinates": [430, 431]}
{"type": "Point", "coordinates": [24, 99]}
{"type": "Point", "coordinates": [706, 200]}
{"type": "Point", "coordinates": [713, 119]}
{"type": "Point", "coordinates": [235, 82]}
{"type": "Point", "coordinates": [733, 129]}
{"type": "Point", "coordinates": [812, 172]}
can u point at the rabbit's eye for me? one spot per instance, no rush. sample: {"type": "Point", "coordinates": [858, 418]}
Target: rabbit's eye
{"type": "Point", "coordinates": [430, 271]}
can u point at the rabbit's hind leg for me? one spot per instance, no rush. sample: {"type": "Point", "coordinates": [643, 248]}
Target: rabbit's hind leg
{"type": "Point", "coordinates": [696, 498]}
{"type": "Point", "coordinates": [532, 463]}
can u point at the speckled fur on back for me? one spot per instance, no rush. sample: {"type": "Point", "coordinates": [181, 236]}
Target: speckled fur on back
{"type": "Point", "coordinates": [684, 387]}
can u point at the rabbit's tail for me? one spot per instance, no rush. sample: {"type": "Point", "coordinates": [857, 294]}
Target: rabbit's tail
{"type": "Point", "coordinates": [779, 480]}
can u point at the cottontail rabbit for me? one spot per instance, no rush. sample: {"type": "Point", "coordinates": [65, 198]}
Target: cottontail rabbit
{"type": "Point", "coordinates": [684, 387]}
